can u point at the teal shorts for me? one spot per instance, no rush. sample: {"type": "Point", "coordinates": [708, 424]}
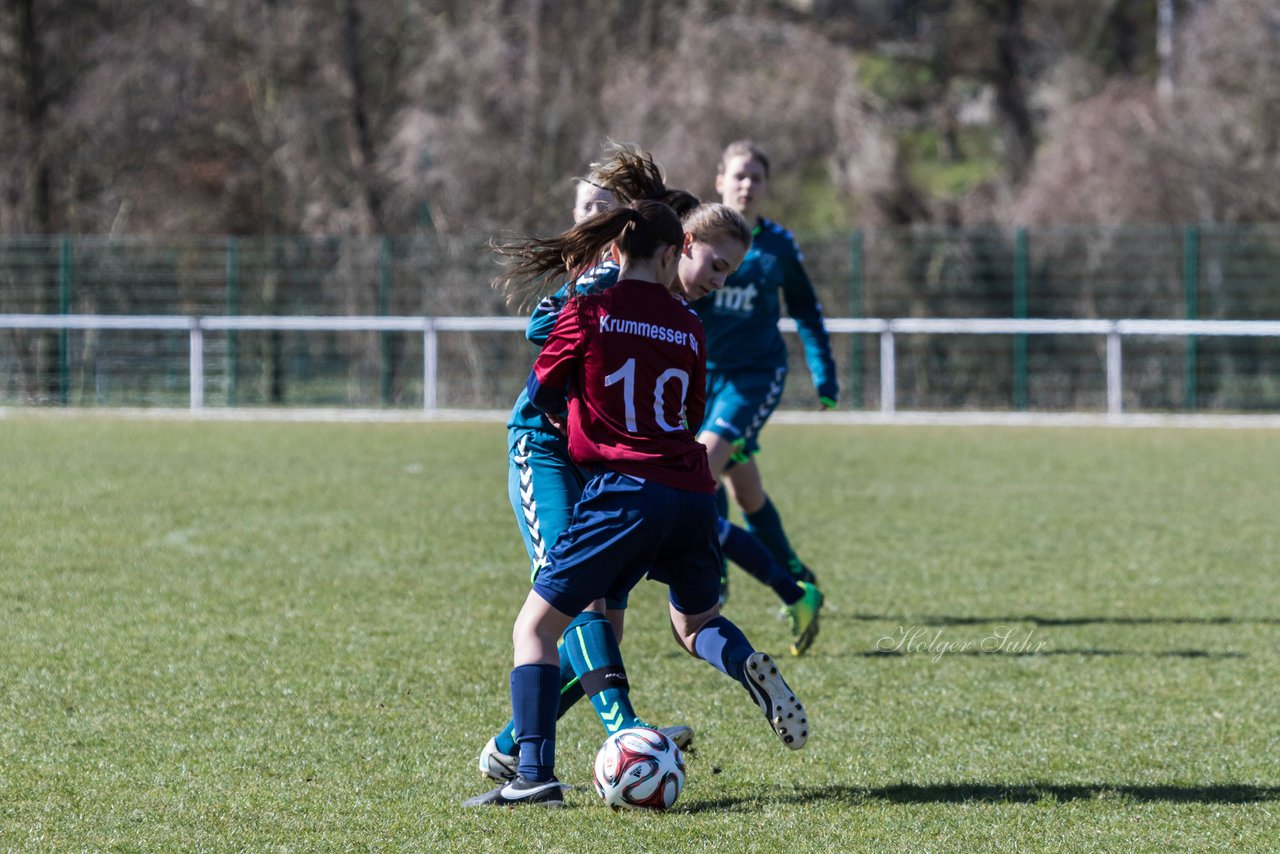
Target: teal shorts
{"type": "Point", "coordinates": [739, 404]}
{"type": "Point", "coordinates": [544, 486]}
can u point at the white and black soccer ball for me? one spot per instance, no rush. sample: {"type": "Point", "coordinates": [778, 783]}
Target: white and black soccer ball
{"type": "Point", "coordinates": [639, 768]}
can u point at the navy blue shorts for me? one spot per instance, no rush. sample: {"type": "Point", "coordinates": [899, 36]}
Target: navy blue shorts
{"type": "Point", "coordinates": [624, 528]}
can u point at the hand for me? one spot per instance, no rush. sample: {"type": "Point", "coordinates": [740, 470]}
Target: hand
{"type": "Point", "coordinates": [559, 422]}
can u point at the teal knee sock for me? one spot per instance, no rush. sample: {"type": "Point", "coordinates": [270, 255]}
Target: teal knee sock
{"type": "Point", "coordinates": [593, 648]}
{"type": "Point", "coordinates": [766, 525]}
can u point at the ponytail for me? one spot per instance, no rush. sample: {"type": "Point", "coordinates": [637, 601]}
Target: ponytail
{"type": "Point", "coordinates": [641, 229]}
{"type": "Point", "coordinates": [636, 181]}
{"type": "Point", "coordinates": [631, 174]}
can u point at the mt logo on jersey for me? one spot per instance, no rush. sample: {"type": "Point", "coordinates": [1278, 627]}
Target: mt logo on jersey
{"type": "Point", "coordinates": [737, 298]}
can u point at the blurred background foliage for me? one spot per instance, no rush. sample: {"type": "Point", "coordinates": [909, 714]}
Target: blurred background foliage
{"type": "Point", "coordinates": [1041, 158]}
{"type": "Point", "coordinates": [268, 117]}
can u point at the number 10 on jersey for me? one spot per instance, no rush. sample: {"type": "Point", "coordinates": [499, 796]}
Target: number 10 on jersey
{"type": "Point", "coordinates": [627, 376]}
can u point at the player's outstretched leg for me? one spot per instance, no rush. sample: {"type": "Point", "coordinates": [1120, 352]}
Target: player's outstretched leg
{"type": "Point", "coordinates": [722, 507]}
{"type": "Point", "coordinates": [766, 525]}
{"type": "Point", "coordinates": [801, 600]}
{"type": "Point", "coordinates": [738, 545]}
{"type": "Point", "coordinates": [723, 645]}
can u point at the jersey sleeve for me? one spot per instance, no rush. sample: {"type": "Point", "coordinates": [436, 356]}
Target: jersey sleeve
{"type": "Point", "coordinates": [543, 319]}
{"type": "Point", "coordinates": [806, 310]}
{"type": "Point", "coordinates": [556, 364]}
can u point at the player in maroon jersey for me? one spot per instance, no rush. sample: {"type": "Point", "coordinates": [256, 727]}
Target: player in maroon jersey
{"type": "Point", "coordinates": [629, 365]}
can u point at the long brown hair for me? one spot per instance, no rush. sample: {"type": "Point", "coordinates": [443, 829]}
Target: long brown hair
{"type": "Point", "coordinates": [641, 229]}
{"type": "Point", "coordinates": [631, 174]}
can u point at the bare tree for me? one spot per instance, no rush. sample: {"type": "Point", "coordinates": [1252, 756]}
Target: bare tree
{"type": "Point", "coordinates": [45, 53]}
{"type": "Point", "coordinates": [1212, 154]}
{"type": "Point", "coordinates": [284, 117]}
{"type": "Point", "coordinates": [1225, 111]}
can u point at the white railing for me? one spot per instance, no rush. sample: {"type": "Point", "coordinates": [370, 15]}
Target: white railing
{"type": "Point", "coordinates": [431, 327]}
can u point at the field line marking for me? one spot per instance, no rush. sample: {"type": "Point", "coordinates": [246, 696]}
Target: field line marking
{"type": "Point", "coordinates": [900, 418]}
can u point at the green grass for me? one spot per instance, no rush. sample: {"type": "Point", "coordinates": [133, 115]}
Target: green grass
{"type": "Point", "coordinates": [219, 636]}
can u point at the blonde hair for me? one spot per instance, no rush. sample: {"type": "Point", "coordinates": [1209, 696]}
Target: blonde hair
{"type": "Point", "coordinates": [713, 221]}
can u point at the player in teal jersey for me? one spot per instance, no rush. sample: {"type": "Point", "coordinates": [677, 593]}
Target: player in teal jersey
{"type": "Point", "coordinates": [544, 484]}
{"type": "Point", "coordinates": [590, 198]}
{"type": "Point", "coordinates": [747, 358]}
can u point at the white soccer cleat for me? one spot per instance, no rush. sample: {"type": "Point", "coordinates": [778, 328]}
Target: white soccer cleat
{"type": "Point", "coordinates": [784, 712]}
{"type": "Point", "coordinates": [681, 735]}
{"type": "Point", "coordinates": [497, 765]}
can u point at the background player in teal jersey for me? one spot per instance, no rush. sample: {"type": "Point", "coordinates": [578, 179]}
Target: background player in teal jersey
{"type": "Point", "coordinates": [747, 358]}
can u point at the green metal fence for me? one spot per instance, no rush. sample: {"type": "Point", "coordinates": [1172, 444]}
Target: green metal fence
{"type": "Point", "coordinates": [1147, 272]}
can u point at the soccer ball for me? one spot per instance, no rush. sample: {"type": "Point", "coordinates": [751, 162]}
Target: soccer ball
{"type": "Point", "coordinates": [639, 768]}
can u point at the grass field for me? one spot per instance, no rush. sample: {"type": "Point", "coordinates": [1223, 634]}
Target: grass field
{"type": "Point", "coordinates": [296, 637]}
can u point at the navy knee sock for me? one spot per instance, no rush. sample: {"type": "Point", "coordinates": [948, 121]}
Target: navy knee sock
{"type": "Point", "coordinates": [748, 552]}
{"type": "Point", "coordinates": [766, 525]}
{"type": "Point", "coordinates": [723, 645]}
{"type": "Point", "coordinates": [535, 696]}
{"type": "Point", "coordinates": [570, 693]}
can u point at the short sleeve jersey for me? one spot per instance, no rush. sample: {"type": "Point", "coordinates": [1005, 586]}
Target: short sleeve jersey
{"type": "Point", "coordinates": [632, 361]}
{"type": "Point", "coordinates": [525, 417]}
